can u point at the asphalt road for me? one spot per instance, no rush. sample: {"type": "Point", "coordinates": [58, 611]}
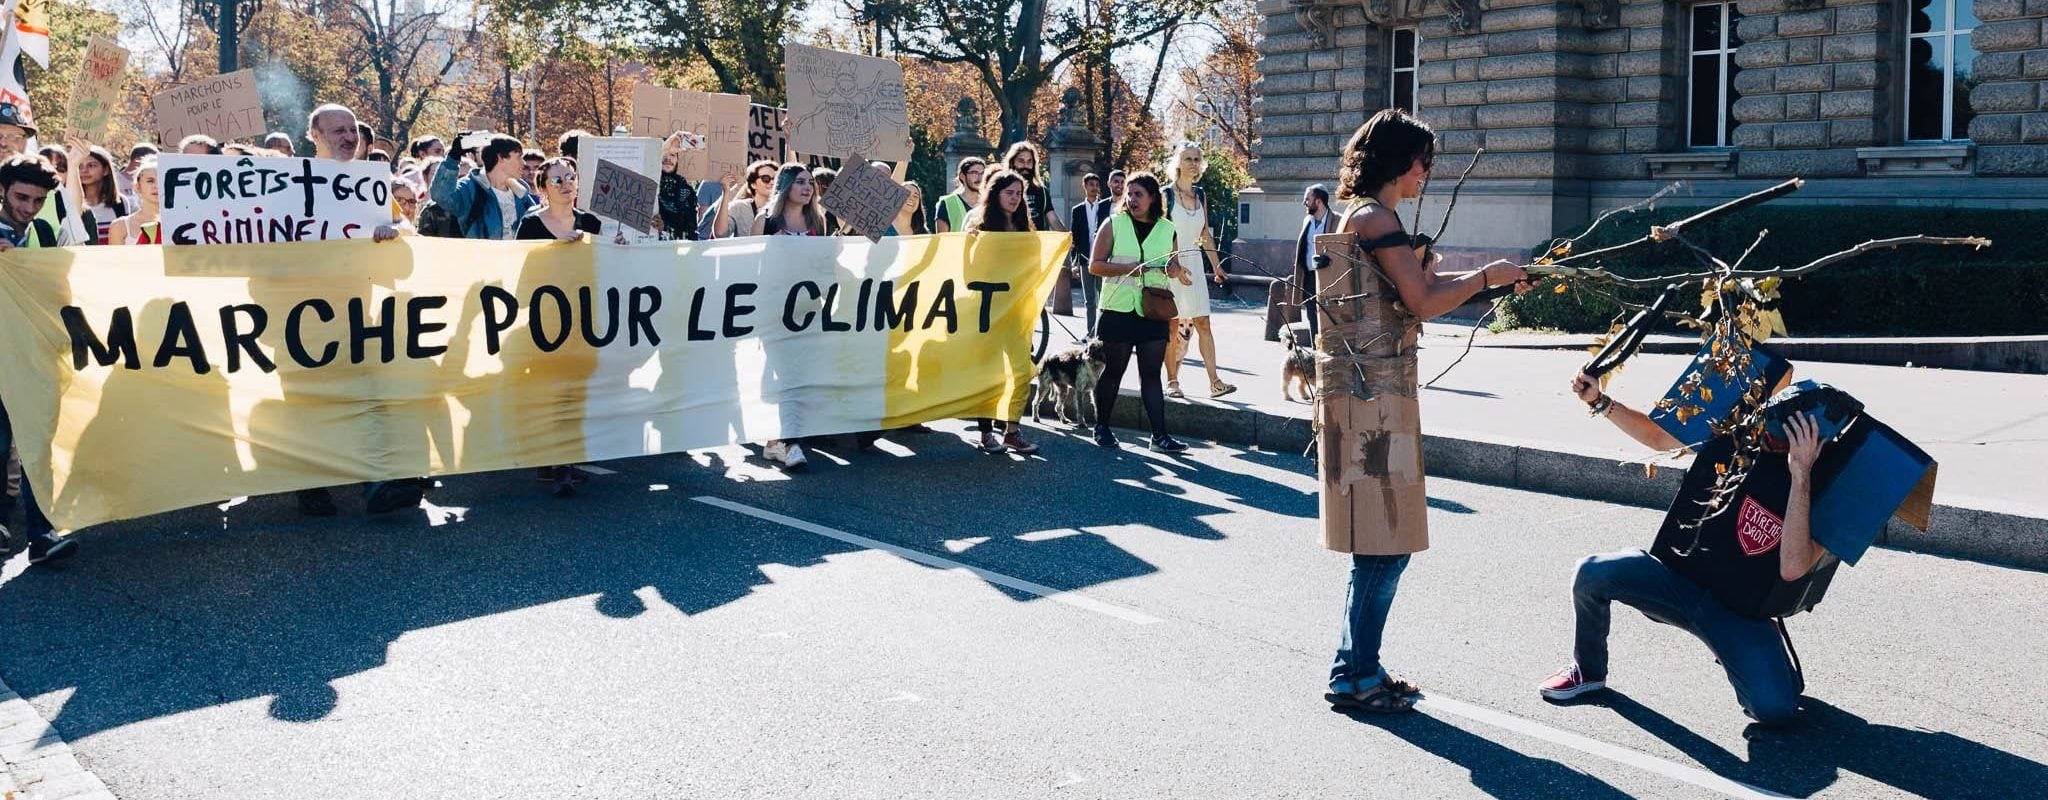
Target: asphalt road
{"type": "Point", "coordinates": [941, 623]}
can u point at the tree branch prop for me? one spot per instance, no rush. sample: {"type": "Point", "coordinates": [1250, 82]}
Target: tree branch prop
{"type": "Point", "coordinates": [1596, 273]}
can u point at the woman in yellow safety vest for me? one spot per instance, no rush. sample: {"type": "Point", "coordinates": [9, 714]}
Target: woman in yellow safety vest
{"type": "Point", "coordinates": [1134, 251]}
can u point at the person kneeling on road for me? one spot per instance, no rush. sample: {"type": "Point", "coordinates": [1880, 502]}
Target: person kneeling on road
{"type": "Point", "coordinates": [1775, 501]}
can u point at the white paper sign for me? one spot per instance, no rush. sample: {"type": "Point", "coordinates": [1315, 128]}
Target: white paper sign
{"type": "Point", "coordinates": [243, 200]}
{"type": "Point", "coordinates": [636, 153]}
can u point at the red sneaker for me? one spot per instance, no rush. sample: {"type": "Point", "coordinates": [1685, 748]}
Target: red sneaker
{"type": "Point", "coordinates": [1569, 683]}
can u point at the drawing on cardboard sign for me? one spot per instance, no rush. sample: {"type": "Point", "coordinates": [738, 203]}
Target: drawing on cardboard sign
{"type": "Point", "coordinates": [840, 103]}
{"type": "Point", "coordinates": [98, 90]}
{"type": "Point", "coordinates": [866, 197]}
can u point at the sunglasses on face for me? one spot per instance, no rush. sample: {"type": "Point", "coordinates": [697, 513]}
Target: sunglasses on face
{"type": "Point", "coordinates": [558, 180]}
{"type": "Point", "coordinates": [764, 178]}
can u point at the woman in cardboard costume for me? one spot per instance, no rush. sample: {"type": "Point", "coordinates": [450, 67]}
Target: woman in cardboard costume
{"type": "Point", "coordinates": [1375, 292]}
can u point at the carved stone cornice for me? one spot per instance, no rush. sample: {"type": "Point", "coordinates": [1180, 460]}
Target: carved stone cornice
{"type": "Point", "coordinates": [1462, 14]}
{"type": "Point", "coordinates": [1318, 18]}
{"type": "Point", "coordinates": [1599, 14]}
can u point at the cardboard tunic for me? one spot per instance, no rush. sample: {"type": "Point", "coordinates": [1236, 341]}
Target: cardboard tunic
{"type": "Point", "coordinates": [1368, 416]}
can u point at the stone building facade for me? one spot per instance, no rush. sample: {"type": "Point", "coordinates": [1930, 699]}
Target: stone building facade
{"type": "Point", "coordinates": [1587, 105]}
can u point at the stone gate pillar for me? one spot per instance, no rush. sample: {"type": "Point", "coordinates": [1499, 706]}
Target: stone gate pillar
{"type": "Point", "coordinates": [965, 142]}
{"type": "Point", "coordinates": [1071, 152]}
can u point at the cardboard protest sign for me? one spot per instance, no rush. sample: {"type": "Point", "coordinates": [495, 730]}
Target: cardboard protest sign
{"type": "Point", "coordinates": [289, 367]}
{"type": "Point", "coordinates": [241, 200]}
{"type": "Point", "coordinates": [624, 195]}
{"type": "Point", "coordinates": [101, 77]}
{"type": "Point", "coordinates": [841, 103]}
{"type": "Point", "coordinates": [714, 125]}
{"type": "Point", "coordinates": [866, 197]}
{"type": "Point", "coordinates": [640, 155]}
{"type": "Point", "coordinates": [766, 140]}
{"type": "Point", "coordinates": [725, 135]}
{"type": "Point", "coordinates": [224, 107]}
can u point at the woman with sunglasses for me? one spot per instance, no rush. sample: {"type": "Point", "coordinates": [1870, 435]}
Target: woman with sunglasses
{"type": "Point", "coordinates": [559, 219]}
{"type": "Point", "coordinates": [741, 211]}
{"type": "Point", "coordinates": [1386, 161]}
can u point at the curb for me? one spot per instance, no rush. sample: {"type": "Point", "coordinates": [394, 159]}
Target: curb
{"type": "Point", "coordinates": [34, 760]}
{"type": "Point", "coordinates": [2019, 355]}
{"type": "Point", "coordinates": [1976, 530]}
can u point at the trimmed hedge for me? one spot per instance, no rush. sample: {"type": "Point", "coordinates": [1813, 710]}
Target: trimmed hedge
{"type": "Point", "coordinates": [1918, 290]}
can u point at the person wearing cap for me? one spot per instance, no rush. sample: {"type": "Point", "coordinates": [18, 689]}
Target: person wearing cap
{"type": "Point", "coordinates": [60, 213]}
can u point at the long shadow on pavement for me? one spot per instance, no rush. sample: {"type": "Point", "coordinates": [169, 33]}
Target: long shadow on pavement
{"type": "Point", "coordinates": [1828, 741]}
{"type": "Point", "coordinates": [207, 606]}
{"type": "Point", "coordinates": [1496, 769]}
{"type": "Point", "coordinates": [184, 610]}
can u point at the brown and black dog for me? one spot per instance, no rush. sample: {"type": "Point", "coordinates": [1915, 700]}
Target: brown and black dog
{"type": "Point", "coordinates": [1068, 380]}
{"type": "Point", "coordinates": [1298, 370]}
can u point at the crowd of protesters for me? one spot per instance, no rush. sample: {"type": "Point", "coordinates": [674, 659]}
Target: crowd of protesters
{"type": "Point", "coordinates": [483, 185]}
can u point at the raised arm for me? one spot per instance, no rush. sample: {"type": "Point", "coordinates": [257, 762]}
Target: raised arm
{"type": "Point", "coordinates": [1424, 297]}
{"type": "Point", "coordinates": [1635, 423]}
{"type": "Point", "coordinates": [1799, 552]}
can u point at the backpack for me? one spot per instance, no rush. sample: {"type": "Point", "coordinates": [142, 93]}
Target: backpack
{"type": "Point", "coordinates": [436, 220]}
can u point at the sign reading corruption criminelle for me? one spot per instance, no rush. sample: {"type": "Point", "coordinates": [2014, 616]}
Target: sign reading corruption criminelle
{"type": "Point", "coordinates": [244, 200]}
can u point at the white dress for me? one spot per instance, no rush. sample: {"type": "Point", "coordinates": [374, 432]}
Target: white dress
{"type": "Point", "coordinates": [1193, 301]}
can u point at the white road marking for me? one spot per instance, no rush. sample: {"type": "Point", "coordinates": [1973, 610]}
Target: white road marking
{"type": "Point", "coordinates": [1074, 599]}
{"type": "Point", "coordinates": [1436, 703]}
{"type": "Point", "coordinates": [596, 470]}
{"type": "Point", "coordinates": [1615, 753]}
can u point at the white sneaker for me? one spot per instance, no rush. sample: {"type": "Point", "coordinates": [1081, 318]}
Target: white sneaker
{"type": "Point", "coordinates": [792, 458]}
{"type": "Point", "coordinates": [775, 451]}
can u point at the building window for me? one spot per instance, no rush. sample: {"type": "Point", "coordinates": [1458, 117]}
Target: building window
{"type": "Point", "coordinates": [1712, 77]}
{"type": "Point", "coordinates": [1403, 89]}
{"type": "Point", "coordinates": [1938, 61]}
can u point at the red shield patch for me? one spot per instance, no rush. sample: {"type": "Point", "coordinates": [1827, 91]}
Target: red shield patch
{"type": "Point", "coordinates": [1757, 528]}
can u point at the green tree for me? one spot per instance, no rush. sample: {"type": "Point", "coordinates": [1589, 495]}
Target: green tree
{"type": "Point", "coordinates": [72, 25]}
{"type": "Point", "coordinates": [732, 46]}
{"type": "Point", "coordinates": [1020, 46]}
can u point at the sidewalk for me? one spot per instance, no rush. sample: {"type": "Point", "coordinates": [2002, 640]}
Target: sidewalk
{"type": "Point", "coordinates": [1504, 416]}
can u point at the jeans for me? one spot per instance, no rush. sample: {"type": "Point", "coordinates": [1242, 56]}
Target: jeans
{"type": "Point", "coordinates": [1749, 649]}
{"type": "Point", "coordinates": [1373, 581]}
{"type": "Point", "coordinates": [1091, 293]}
{"type": "Point", "coordinates": [32, 515]}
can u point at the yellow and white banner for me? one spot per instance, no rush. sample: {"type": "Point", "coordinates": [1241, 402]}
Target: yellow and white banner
{"type": "Point", "coordinates": [144, 379]}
